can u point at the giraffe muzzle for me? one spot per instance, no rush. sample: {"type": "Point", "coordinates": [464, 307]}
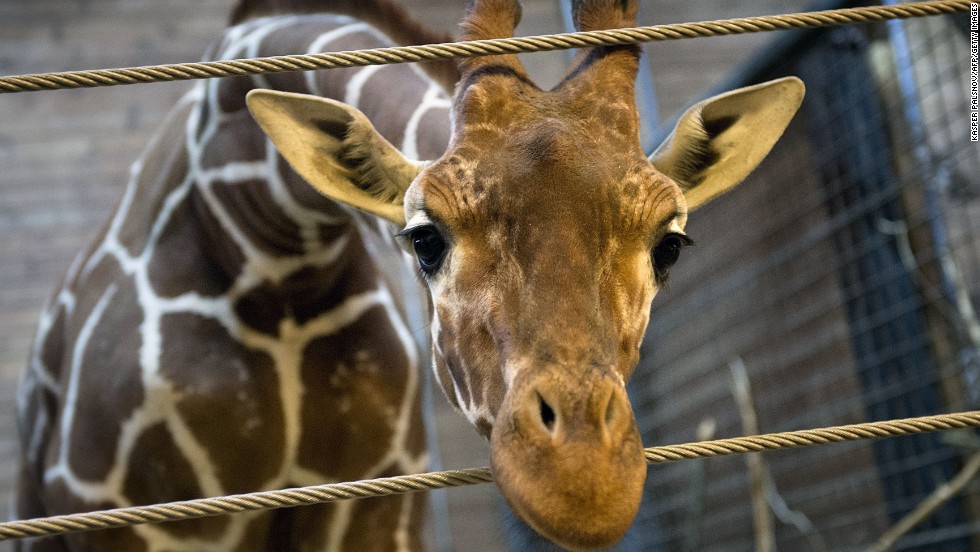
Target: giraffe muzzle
{"type": "Point", "coordinates": [567, 455]}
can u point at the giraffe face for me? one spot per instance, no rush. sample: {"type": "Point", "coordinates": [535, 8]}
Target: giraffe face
{"type": "Point", "coordinates": [541, 276]}
{"type": "Point", "coordinates": [543, 238]}
{"type": "Point", "coordinates": [543, 234]}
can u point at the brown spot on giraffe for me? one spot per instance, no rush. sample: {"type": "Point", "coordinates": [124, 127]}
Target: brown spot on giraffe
{"type": "Point", "coordinates": [176, 251]}
{"type": "Point", "coordinates": [232, 402]}
{"type": "Point", "coordinates": [159, 473]}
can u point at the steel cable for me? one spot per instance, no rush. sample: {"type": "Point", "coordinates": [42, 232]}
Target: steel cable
{"type": "Point", "coordinates": [287, 498]}
{"type": "Point", "coordinates": [407, 54]}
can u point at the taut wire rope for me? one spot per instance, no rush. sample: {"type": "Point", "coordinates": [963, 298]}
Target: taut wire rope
{"type": "Point", "coordinates": [407, 54]}
{"type": "Point", "coordinates": [304, 496]}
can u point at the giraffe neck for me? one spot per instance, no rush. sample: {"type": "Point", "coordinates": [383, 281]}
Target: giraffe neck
{"type": "Point", "coordinates": [248, 192]}
{"type": "Point", "coordinates": [225, 294]}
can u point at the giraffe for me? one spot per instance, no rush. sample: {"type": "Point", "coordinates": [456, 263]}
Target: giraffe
{"type": "Point", "coordinates": [542, 234]}
{"type": "Point", "coordinates": [231, 330]}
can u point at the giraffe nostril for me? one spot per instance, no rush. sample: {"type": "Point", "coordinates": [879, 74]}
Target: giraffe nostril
{"type": "Point", "coordinates": [546, 413]}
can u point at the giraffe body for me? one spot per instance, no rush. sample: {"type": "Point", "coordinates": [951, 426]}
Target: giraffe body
{"type": "Point", "coordinates": [232, 330]}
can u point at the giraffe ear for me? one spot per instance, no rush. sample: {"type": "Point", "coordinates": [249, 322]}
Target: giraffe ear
{"type": "Point", "coordinates": [337, 150]}
{"type": "Point", "coordinates": [719, 141]}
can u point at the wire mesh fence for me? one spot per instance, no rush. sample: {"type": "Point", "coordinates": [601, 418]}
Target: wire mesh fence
{"type": "Point", "coordinates": [844, 279]}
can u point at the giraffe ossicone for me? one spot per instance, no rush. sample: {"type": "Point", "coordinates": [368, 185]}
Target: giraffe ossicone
{"type": "Point", "coordinates": [542, 235]}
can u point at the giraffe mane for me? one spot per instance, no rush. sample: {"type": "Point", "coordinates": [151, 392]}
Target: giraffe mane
{"type": "Point", "coordinates": [386, 15]}
{"type": "Point", "coordinates": [251, 9]}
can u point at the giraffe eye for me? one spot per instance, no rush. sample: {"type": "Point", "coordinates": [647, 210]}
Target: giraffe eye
{"type": "Point", "coordinates": [666, 253]}
{"type": "Point", "coordinates": [430, 248]}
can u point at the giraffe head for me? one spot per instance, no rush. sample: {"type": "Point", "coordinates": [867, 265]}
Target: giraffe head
{"type": "Point", "coordinates": [542, 235]}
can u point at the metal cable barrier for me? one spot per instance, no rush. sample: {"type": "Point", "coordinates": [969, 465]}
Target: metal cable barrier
{"type": "Point", "coordinates": [184, 510]}
{"type": "Point", "coordinates": [408, 54]}
{"type": "Point", "coordinates": [304, 496]}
